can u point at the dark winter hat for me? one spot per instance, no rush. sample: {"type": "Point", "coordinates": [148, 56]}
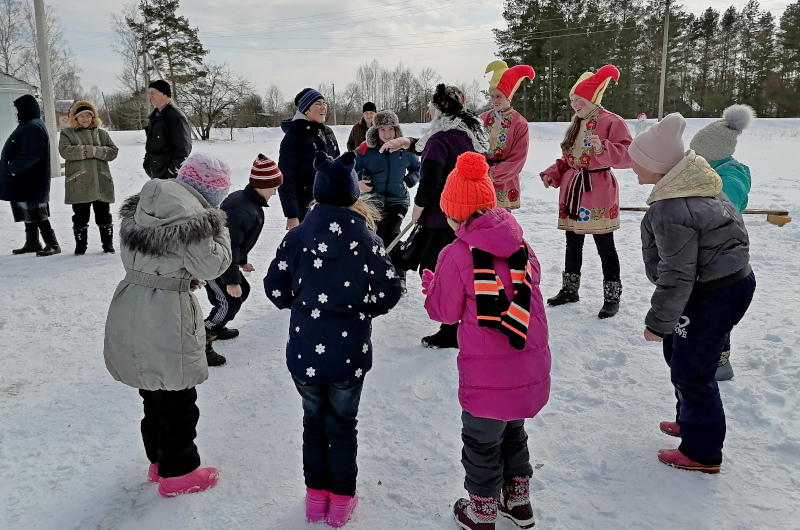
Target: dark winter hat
{"type": "Point", "coordinates": [265, 173]}
{"type": "Point", "coordinates": [336, 182]}
{"type": "Point", "coordinates": [162, 86]}
{"type": "Point", "coordinates": [449, 99]}
{"type": "Point", "coordinates": [717, 140]}
{"type": "Point", "coordinates": [369, 107]}
{"type": "Point", "coordinates": [384, 117]}
{"type": "Point", "coordinates": [306, 98]}
{"type": "Point", "coordinates": [84, 108]}
{"type": "Point", "coordinates": [27, 108]}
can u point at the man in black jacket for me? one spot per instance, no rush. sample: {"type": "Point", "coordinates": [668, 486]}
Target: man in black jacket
{"type": "Point", "coordinates": [169, 138]}
{"type": "Point", "coordinates": [245, 211]}
{"type": "Point", "coordinates": [25, 177]}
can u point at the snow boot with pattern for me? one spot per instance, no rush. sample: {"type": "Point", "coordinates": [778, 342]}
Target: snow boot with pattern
{"type": "Point", "coordinates": [475, 513]}
{"type": "Point", "coordinates": [515, 502]}
{"type": "Point", "coordinates": [612, 291]}
{"type": "Point", "coordinates": [81, 240]}
{"type": "Point", "coordinates": [570, 283]}
{"type": "Point", "coordinates": [107, 238]}
{"type": "Point", "coordinates": [32, 243]}
{"type": "Point", "coordinates": [724, 368]}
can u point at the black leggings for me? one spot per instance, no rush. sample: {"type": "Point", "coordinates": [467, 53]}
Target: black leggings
{"type": "Point", "coordinates": [605, 247]}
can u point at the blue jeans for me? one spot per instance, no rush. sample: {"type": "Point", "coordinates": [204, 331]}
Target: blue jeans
{"type": "Point", "coordinates": [692, 352]}
{"type": "Point", "coordinates": [329, 435]}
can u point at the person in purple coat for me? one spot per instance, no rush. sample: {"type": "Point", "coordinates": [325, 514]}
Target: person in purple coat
{"type": "Point", "coordinates": [488, 279]}
{"type": "Point", "coordinates": [453, 131]}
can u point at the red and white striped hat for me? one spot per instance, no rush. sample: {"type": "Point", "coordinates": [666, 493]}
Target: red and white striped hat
{"type": "Point", "coordinates": [265, 173]}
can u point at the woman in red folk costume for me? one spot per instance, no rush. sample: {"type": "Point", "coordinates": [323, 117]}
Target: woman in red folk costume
{"type": "Point", "coordinates": [596, 141]}
{"type": "Point", "coordinates": [508, 132]}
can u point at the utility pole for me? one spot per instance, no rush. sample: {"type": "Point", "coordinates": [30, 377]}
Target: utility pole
{"type": "Point", "coordinates": [550, 72]}
{"type": "Point", "coordinates": [664, 63]}
{"type": "Point", "coordinates": [333, 86]}
{"type": "Point", "coordinates": [47, 85]}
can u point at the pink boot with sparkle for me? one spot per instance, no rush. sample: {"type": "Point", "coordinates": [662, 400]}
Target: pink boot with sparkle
{"type": "Point", "coordinates": [317, 504]}
{"type": "Point", "coordinates": [200, 479]}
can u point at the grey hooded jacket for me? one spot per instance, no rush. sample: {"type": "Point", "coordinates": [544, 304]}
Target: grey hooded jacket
{"type": "Point", "coordinates": [692, 237]}
{"type": "Point", "coordinates": [155, 336]}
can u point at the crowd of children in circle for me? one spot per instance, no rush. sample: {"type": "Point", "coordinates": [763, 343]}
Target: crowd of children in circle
{"type": "Point", "coordinates": [480, 277]}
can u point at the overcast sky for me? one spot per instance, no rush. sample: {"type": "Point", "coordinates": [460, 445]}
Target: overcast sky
{"type": "Point", "coordinates": [299, 43]}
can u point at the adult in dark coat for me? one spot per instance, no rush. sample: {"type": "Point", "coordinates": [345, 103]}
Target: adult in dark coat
{"type": "Point", "coordinates": [25, 177]}
{"type": "Point", "coordinates": [306, 134]}
{"type": "Point", "coordinates": [169, 138]}
{"type": "Point", "coordinates": [358, 134]}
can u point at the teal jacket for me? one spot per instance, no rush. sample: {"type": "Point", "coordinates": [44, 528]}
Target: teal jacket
{"type": "Point", "coordinates": [735, 180]}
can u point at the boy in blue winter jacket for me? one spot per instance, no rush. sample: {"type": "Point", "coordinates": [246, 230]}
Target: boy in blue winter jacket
{"type": "Point", "coordinates": [245, 219]}
{"type": "Point", "coordinates": [387, 176]}
{"type": "Point", "coordinates": [334, 274]}
{"type": "Point", "coordinates": [716, 142]}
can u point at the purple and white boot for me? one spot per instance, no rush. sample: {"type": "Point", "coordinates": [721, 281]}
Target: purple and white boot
{"type": "Point", "coordinates": [476, 513]}
{"type": "Point", "coordinates": [515, 502]}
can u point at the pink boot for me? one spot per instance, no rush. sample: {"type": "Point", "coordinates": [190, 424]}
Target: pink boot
{"type": "Point", "coordinates": [200, 479]}
{"type": "Point", "coordinates": [152, 473]}
{"type": "Point", "coordinates": [317, 504]}
{"type": "Point", "coordinates": [340, 509]}
{"type": "Point", "coordinates": [671, 428]}
{"type": "Point", "coordinates": [674, 458]}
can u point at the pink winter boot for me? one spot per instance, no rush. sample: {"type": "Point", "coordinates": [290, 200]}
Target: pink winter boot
{"type": "Point", "coordinates": [671, 428]}
{"type": "Point", "coordinates": [340, 509]}
{"type": "Point", "coordinates": [200, 479]}
{"type": "Point", "coordinates": [152, 473]}
{"type": "Point", "coordinates": [674, 458]}
{"type": "Point", "coordinates": [515, 502]}
{"type": "Point", "coordinates": [475, 513]}
{"type": "Point", "coordinates": [317, 504]}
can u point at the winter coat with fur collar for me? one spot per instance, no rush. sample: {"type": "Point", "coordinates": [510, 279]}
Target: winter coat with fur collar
{"type": "Point", "coordinates": [692, 238]}
{"type": "Point", "coordinates": [155, 337]}
{"type": "Point", "coordinates": [88, 178]}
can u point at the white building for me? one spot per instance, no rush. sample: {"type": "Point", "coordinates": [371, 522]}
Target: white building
{"type": "Point", "coordinates": [10, 89]}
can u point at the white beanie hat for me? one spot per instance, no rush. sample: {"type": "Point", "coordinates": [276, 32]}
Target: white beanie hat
{"type": "Point", "coordinates": [660, 147]}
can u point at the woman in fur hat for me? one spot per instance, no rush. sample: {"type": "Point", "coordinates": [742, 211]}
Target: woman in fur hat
{"type": "Point", "coordinates": [87, 150]}
{"type": "Point", "coordinates": [595, 141]}
{"type": "Point", "coordinates": [716, 142]}
{"type": "Point", "coordinates": [508, 132]}
{"type": "Point", "coordinates": [172, 237]}
{"type": "Point", "coordinates": [387, 176]}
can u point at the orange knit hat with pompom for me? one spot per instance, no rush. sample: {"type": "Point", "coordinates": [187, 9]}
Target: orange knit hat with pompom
{"type": "Point", "coordinates": [468, 188]}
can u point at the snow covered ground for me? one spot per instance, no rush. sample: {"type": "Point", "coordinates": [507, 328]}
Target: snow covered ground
{"type": "Point", "coordinates": [71, 456]}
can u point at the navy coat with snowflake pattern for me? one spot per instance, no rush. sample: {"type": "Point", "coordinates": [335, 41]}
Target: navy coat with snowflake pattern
{"type": "Point", "coordinates": [336, 277]}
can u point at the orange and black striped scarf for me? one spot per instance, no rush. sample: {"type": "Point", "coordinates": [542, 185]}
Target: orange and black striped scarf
{"type": "Point", "coordinates": [494, 310]}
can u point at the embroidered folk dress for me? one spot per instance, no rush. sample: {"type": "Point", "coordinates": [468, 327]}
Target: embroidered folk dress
{"type": "Point", "coordinates": [508, 151]}
{"type": "Point", "coordinates": [598, 210]}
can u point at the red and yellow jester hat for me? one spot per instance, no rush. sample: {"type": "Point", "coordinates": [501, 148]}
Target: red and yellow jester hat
{"type": "Point", "coordinates": [592, 86]}
{"type": "Point", "coordinates": [507, 80]}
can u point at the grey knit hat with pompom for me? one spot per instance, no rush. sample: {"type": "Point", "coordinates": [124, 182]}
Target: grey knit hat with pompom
{"type": "Point", "coordinates": [717, 140]}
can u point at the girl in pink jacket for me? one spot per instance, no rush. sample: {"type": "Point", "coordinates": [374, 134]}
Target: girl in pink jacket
{"type": "Point", "coordinates": [596, 141]}
{"type": "Point", "coordinates": [488, 279]}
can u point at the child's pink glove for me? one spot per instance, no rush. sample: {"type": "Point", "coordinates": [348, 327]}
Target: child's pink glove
{"type": "Point", "coordinates": [427, 279]}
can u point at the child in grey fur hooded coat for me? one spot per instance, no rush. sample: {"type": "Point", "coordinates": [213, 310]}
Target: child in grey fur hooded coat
{"type": "Point", "coordinates": [172, 237]}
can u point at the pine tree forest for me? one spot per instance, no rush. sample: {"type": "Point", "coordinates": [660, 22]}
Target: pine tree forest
{"type": "Point", "coordinates": [740, 55]}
